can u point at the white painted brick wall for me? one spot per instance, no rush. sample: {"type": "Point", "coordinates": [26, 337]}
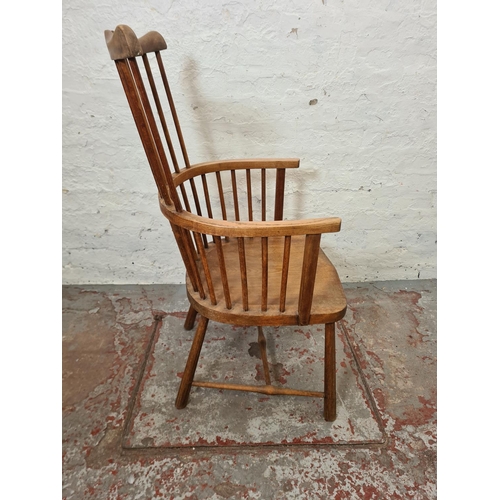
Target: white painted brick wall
{"type": "Point", "coordinates": [243, 74]}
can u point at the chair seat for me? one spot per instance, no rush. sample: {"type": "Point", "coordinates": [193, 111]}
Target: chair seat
{"type": "Point", "coordinates": [329, 303]}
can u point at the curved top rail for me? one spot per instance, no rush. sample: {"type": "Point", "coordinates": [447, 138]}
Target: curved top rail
{"type": "Point", "coordinates": [123, 43]}
{"type": "Point", "coordinates": [237, 229]}
{"type": "Point", "coordinates": [238, 164]}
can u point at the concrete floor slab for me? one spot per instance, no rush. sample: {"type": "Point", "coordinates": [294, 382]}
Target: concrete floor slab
{"type": "Point", "coordinates": [229, 418]}
{"type": "Point", "coordinates": [107, 333]}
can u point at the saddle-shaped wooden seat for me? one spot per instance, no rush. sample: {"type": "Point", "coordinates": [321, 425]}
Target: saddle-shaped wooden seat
{"type": "Point", "coordinates": [243, 272]}
{"type": "Point", "coordinates": [327, 307]}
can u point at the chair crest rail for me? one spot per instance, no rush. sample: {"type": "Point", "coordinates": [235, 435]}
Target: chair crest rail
{"type": "Point", "coordinates": [123, 43]}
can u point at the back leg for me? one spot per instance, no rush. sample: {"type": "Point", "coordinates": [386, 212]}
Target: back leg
{"type": "Point", "coordinates": [190, 318]}
{"type": "Point", "coordinates": [330, 404]}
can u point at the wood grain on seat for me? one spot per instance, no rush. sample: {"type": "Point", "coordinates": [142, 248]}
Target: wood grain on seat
{"type": "Point", "coordinates": [328, 305]}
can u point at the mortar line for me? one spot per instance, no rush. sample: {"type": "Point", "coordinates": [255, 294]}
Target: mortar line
{"type": "Point", "coordinates": [369, 394]}
{"type": "Point", "coordinates": [142, 370]}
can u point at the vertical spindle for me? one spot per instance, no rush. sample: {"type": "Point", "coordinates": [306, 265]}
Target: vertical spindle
{"type": "Point", "coordinates": [191, 253]}
{"type": "Point", "coordinates": [249, 195]}
{"type": "Point", "coordinates": [263, 192]}
{"type": "Point", "coordinates": [280, 194]}
{"type": "Point", "coordinates": [154, 131]}
{"type": "Point", "coordinates": [235, 196]}
{"type": "Point", "coordinates": [243, 273]}
{"type": "Point", "coordinates": [177, 128]}
{"type": "Point", "coordinates": [223, 273]}
{"type": "Point", "coordinates": [163, 122]}
{"type": "Point", "coordinates": [206, 268]}
{"type": "Point", "coordinates": [138, 113]}
{"type": "Point", "coordinates": [284, 272]}
{"type": "Point", "coordinates": [265, 272]}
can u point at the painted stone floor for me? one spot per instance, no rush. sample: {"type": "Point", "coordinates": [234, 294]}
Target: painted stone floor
{"type": "Point", "coordinates": [124, 349]}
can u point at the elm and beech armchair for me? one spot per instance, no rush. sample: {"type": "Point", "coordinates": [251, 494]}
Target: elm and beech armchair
{"type": "Point", "coordinates": [239, 270]}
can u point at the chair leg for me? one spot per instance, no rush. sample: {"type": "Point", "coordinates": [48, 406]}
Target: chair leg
{"type": "Point", "coordinates": [192, 362]}
{"type": "Point", "coordinates": [190, 318]}
{"type": "Point", "coordinates": [330, 404]}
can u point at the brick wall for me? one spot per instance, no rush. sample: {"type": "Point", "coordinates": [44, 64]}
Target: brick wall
{"type": "Point", "coordinates": [347, 86]}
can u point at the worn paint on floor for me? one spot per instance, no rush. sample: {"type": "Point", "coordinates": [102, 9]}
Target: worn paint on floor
{"type": "Point", "coordinates": [107, 331]}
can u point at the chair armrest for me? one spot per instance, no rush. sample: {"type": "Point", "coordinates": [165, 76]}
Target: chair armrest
{"type": "Point", "coordinates": [220, 165]}
{"type": "Point", "coordinates": [246, 229]}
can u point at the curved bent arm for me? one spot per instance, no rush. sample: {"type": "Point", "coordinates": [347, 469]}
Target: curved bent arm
{"type": "Point", "coordinates": [220, 165]}
{"type": "Point", "coordinates": [243, 229]}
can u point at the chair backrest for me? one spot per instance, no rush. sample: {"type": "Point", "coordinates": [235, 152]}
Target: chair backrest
{"type": "Point", "coordinates": [125, 49]}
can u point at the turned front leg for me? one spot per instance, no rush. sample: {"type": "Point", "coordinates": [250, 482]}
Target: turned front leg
{"type": "Point", "coordinates": [190, 318]}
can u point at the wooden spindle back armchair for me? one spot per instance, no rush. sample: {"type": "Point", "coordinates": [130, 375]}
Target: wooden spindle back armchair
{"type": "Point", "coordinates": [242, 272]}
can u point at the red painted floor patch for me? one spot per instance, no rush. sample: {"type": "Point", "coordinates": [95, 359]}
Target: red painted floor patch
{"type": "Point", "coordinates": [229, 418]}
